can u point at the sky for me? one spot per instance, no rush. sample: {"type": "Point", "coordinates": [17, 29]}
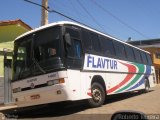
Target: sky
{"type": "Point", "coordinates": [138, 19]}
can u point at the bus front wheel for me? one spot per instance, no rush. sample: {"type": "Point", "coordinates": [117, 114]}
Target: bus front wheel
{"type": "Point", "coordinates": [98, 95]}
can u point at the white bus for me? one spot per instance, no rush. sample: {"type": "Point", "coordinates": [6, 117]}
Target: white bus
{"type": "Point", "coordinates": [67, 61]}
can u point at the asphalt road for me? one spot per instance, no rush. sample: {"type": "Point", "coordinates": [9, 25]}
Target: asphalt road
{"type": "Point", "coordinates": [148, 103]}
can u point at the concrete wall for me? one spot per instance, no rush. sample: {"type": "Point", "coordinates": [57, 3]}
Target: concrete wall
{"type": "Point", "coordinates": [1, 90]}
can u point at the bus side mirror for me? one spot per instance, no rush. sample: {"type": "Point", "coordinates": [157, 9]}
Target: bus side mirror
{"type": "Point", "coordinates": [67, 38]}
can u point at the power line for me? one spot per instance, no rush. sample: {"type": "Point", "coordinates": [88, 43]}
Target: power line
{"type": "Point", "coordinates": [59, 13]}
{"type": "Point", "coordinates": [75, 9]}
{"type": "Point", "coordinates": [53, 11]}
{"type": "Point", "coordinates": [119, 20]}
{"type": "Point", "coordinates": [67, 11]}
{"type": "Point", "coordinates": [36, 4]}
{"type": "Point", "coordinates": [90, 15]}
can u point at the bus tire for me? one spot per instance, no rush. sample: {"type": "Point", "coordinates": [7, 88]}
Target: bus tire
{"type": "Point", "coordinates": [147, 86]}
{"type": "Point", "coordinates": [98, 95]}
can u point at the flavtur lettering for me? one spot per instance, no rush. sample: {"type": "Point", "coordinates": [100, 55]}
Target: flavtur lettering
{"type": "Point", "coordinates": [99, 62]}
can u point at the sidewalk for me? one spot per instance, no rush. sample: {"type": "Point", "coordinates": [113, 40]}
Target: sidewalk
{"type": "Point", "coordinates": [5, 107]}
{"type": "Point", "coordinates": [157, 85]}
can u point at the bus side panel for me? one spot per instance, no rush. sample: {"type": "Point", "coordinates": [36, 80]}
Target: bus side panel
{"type": "Point", "coordinates": [86, 79]}
{"type": "Point", "coordinates": [74, 84]}
{"type": "Point", "coordinates": [113, 81]}
{"type": "Point", "coordinates": [79, 83]}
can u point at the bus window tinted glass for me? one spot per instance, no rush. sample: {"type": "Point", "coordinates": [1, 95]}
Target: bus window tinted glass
{"type": "Point", "coordinates": [120, 50]}
{"type": "Point", "coordinates": [144, 57]}
{"type": "Point", "coordinates": [107, 47]}
{"type": "Point", "coordinates": [86, 40]}
{"type": "Point", "coordinates": [129, 53]}
{"type": "Point", "coordinates": [137, 55]}
{"type": "Point", "coordinates": [95, 42]}
{"type": "Point", "coordinates": [47, 47]}
{"type": "Point", "coordinates": [149, 59]}
{"type": "Point", "coordinates": [75, 49]}
{"type": "Point", "coordinates": [73, 33]}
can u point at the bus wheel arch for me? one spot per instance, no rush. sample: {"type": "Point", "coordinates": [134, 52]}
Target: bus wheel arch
{"type": "Point", "coordinates": [98, 92]}
{"type": "Point", "coordinates": [100, 80]}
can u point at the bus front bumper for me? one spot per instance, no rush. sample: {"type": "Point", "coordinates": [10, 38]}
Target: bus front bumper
{"type": "Point", "coordinates": [45, 95]}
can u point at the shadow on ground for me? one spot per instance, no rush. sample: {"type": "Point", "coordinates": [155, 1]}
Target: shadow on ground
{"type": "Point", "coordinates": [65, 109]}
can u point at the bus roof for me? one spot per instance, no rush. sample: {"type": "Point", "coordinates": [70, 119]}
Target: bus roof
{"type": "Point", "coordinates": [76, 24]}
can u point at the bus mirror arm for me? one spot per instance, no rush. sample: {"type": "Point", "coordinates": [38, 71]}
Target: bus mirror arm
{"type": "Point", "coordinates": [67, 38]}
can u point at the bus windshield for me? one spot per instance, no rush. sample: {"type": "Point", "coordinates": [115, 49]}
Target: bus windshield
{"type": "Point", "coordinates": [39, 54]}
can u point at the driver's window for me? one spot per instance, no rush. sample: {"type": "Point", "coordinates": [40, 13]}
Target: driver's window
{"type": "Point", "coordinates": [75, 50]}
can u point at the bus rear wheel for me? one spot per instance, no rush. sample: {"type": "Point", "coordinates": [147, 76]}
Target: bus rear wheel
{"type": "Point", "coordinates": [98, 95]}
{"type": "Point", "coordinates": [147, 86]}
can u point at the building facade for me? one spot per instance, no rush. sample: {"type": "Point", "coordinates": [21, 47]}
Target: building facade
{"type": "Point", "coordinates": [9, 30]}
{"type": "Point", "coordinates": [152, 46]}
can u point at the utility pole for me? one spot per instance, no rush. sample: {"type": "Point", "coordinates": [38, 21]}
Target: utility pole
{"type": "Point", "coordinates": [44, 14]}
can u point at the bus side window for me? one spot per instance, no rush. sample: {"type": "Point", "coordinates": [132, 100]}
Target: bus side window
{"type": "Point", "coordinates": [91, 41]}
{"type": "Point", "coordinates": [95, 42]}
{"type": "Point", "coordinates": [78, 49]}
{"type": "Point", "coordinates": [137, 55]}
{"type": "Point", "coordinates": [86, 41]}
{"type": "Point", "coordinates": [75, 50]}
{"type": "Point", "coordinates": [149, 59]}
{"type": "Point", "coordinates": [107, 47]}
{"type": "Point", "coordinates": [70, 50]}
{"type": "Point", "coordinates": [120, 50]}
{"type": "Point", "coordinates": [129, 53]}
{"type": "Point", "coordinates": [144, 57]}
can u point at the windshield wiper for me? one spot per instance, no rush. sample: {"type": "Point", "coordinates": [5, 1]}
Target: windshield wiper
{"type": "Point", "coordinates": [37, 64]}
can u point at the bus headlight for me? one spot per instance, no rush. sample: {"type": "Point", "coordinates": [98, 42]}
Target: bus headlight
{"type": "Point", "coordinates": [15, 90]}
{"type": "Point", "coordinates": [53, 82]}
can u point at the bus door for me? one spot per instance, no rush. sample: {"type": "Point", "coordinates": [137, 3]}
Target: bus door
{"type": "Point", "coordinates": [73, 49]}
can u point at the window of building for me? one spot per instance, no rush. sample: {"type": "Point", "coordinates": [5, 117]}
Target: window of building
{"type": "Point", "coordinates": [157, 54]}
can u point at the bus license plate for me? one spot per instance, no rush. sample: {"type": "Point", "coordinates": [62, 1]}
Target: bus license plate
{"type": "Point", "coordinates": [33, 97]}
